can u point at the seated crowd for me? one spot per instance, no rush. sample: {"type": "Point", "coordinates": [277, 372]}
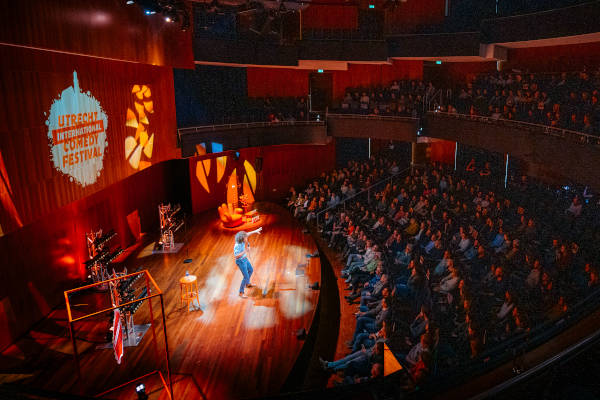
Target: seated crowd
{"type": "Point", "coordinates": [403, 98]}
{"type": "Point", "coordinates": [278, 109]}
{"type": "Point", "coordinates": [563, 100]}
{"type": "Point", "coordinates": [445, 267]}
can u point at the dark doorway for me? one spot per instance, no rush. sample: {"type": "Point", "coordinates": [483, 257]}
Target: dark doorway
{"type": "Point", "coordinates": [321, 91]}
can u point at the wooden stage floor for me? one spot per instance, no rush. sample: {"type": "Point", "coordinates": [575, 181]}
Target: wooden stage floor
{"type": "Point", "coordinates": [230, 348]}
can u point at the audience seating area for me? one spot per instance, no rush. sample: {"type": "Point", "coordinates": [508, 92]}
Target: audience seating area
{"type": "Point", "coordinates": [567, 100]}
{"type": "Point", "coordinates": [449, 269]}
{"type": "Point", "coordinates": [276, 109]}
{"type": "Point", "coordinates": [562, 100]}
{"type": "Point", "coordinates": [403, 98]}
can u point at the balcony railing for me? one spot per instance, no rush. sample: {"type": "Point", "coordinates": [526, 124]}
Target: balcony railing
{"type": "Point", "coordinates": [372, 117]}
{"type": "Point", "coordinates": [575, 136]}
{"type": "Point", "coordinates": [225, 127]}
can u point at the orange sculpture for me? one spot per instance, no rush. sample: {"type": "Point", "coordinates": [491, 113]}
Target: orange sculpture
{"type": "Point", "coordinates": [231, 217]}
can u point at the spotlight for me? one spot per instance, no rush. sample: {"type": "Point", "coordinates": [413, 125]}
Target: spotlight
{"type": "Point", "coordinates": [168, 19]}
{"type": "Point", "coordinates": [128, 2]}
{"type": "Point", "coordinates": [140, 390]}
{"type": "Point", "coordinates": [147, 12]}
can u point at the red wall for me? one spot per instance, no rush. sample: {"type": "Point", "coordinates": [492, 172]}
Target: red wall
{"type": "Point", "coordinates": [282, 166]}
{"type": "Point", "coordinates": [374, 74]}
{"type": "Point", "coordinates": [407, 16]}
{"type": "Point", "coordinates": [45, 258]}
{"type": "Point", "coordinates": [555, 58]}
{"type": "Point", "coordinates": [286, 82]}
{"type": "Point", "coordinates": [330, 17]}
{"type": "Point", "coordinates": [103, 28]}
{"type": "Point", "coordinates": [442, 151]}
{"type": "Point", "coordinates": [31, 81]}
{"type": "Point", "coordinates": [277, 82]}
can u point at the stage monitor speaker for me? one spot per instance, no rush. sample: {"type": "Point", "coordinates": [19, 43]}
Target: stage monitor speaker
{"type": "Point", "coordinates": [258, 164]}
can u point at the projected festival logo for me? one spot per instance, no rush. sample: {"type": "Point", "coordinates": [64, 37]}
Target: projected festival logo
{"type": "Point", "coordinates": [77, 134]}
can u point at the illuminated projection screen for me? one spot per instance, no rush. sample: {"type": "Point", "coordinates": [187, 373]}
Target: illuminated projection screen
{"type": "Point", "coordinates": [71, 125]}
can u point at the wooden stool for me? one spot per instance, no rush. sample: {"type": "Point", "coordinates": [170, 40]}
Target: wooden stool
{"type": "Point", "coordinates": [188, 288]}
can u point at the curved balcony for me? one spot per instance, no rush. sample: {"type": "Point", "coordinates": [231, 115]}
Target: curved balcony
{"type": "Point", "coordinates": [552, 155]}
{"type": "Point", "coordinates": [254, 134]}
{"type": "Point", "coordinates": [567, 21]}
{"type": "Point", "coordinates": [365, 126]}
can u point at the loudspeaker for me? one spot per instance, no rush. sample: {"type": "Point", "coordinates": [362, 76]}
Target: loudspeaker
{"type": "Point", "coordinates": [258, 164]}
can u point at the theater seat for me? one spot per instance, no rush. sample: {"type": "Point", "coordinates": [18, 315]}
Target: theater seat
{"type": "Point", "coordinates": [231, 217]}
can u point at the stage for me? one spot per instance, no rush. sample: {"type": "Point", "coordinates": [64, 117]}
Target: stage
{"type": "Point", "coordinates": [230, 347]}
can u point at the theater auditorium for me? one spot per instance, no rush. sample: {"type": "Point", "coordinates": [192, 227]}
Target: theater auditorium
{"type": "Point", "coordinates": [299, 199]}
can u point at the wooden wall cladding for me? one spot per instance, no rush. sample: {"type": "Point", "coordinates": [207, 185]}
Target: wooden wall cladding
{"type": "Point", "coordinates": [30, 81]}
{"type": "Point", "coordinates": [102, 28]}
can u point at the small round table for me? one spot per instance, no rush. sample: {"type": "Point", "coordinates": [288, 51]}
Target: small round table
{"type": "Point", "coordinates": [188, 288]}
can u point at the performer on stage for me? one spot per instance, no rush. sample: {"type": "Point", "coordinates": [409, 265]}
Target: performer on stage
{"type": "Point", "coordinates": [241, 257]}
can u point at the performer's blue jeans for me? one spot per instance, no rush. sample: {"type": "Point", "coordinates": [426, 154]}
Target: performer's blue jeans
{"type": "Point", "coordinates": [246, 269]}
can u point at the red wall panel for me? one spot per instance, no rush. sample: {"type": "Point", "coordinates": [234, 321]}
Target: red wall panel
{"type": "Point", "coordinates": [555, 58]}
{"type": "Point", "coordinates": [330, 17]}
{"type": "Point", "coordinates": [277, 82]}
{"type": "Point", "coordinates": [442, 151]}
{"type": "Point", "coordinates": [407, 16]}
{"type": "Point", "coordinates": [374, 74]}
{"type": "Point", "coordinates": [30, 82]}
{"type": "Point", "coordinates": [102, 28]}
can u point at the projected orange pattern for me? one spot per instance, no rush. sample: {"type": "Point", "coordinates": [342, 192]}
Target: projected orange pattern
{"type": "Point", "coordinates": [203, 168]}
{"type": "Point", "coordinates": [138, 148]}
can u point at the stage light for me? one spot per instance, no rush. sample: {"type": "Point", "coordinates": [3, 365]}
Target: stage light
{"type": "Point", "coordinates": [140, 390]}
{"type": "Point", "coordinates": [168, 19]}
{"type": "Point", "coordinates": [438, 62]}
{"type": "Point", "coordinates": [148, 12]}
{"type": "Point", "coordinates": [371, 5]}
{"type": "Point", "coordinates": [320, 71]}
{"type": "Point", "coordinates": [129, 2]}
